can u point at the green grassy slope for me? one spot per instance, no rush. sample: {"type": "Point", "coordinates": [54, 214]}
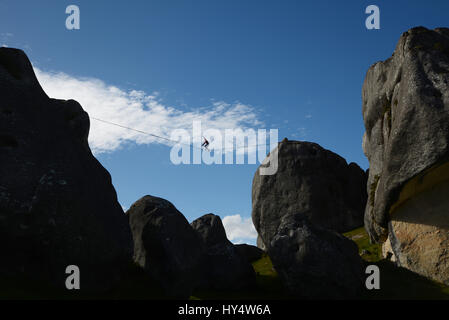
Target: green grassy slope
{"type": "Point", "coordinates": [268, 286]}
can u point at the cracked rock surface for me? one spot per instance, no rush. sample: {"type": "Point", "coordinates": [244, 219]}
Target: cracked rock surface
{"type": "Point", "coordinates": [406, 116]}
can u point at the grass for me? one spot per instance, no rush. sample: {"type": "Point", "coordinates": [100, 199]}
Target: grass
{"type": "Point", "coordinates": [368, 251]}
{"type": "Point", "coordinates": [268, 286]}
{"type": "Point", "coordinates": [267, 278]}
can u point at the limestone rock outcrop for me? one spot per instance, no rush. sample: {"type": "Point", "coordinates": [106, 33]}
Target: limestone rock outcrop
{"type": "Point", "coordinates": [249, 252]}
{"type": "Point", "coordinates": [310, 181]}
{"type": "Point", "coordinates": [297, 213]}
{"type": "Point", "coordinates": [406, 115]}
{"type": "Point", "coordinates": [315, 263]}
{"type": "Point", "coordinates": [226, 268]}
{"type": "Point", "coordinates": [57, 203]}
{"type": "Point", "coordinates": [166, 246]}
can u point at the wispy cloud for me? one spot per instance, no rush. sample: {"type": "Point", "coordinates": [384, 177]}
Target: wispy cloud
{"type": "Point", "coordinates": [139, 110]}
{"type": "Point", "coordinates": [239, 230]}
{"type": "Point", "coordinates": [5, 38]}
{"type": "Point", "coordinates": [300, 133]}
{"type": "Point", "coordinates": [6, 35]}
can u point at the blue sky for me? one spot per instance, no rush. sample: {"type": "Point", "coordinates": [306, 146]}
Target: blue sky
{"type": "Point", "coordinates": [296, 66]}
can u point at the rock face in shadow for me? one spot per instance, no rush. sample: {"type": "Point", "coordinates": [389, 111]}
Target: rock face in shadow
{"type": "Point", "coordinates": [406, 115]}
{"type": "Point", "coordinates": [314, 191]}
{"type": "Point", "coordinates": [57, 203]}
{"type": "Point", "coordinates": [225, 269]}
{"type": "Point", "coordinates": [310, 181]}
{"type": "Point", "coordinates": [166, 246]}
{"type": "Point", "coordinates": [249, 252]}
{"type": "Point", "coordinates": [315, 263]}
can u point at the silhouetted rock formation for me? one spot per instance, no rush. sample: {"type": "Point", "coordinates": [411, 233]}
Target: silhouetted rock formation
{"type": "Point", "coordinates": [249, 252]}
{"type": "Point", "coordinates": [166, 246]}
{"type": "Point", "coordinates": [406, 115]}
{"type": "Point", "coordinates": [310, 181]}
{"type": "Point", "coordinates": [225, 268]}
{"type": "Point", "coordinates": [183, 257]}
{"type": "Point", "coordinates": [57, 203]}
{"type": "Point", "coordinates": [315, 263]}
{"type": "Point", "coordinates": [312, 186]}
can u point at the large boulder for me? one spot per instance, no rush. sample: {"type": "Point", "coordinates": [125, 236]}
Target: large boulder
{"type": "Point", "coordinates": [315, 263]}
{"type": "Point", "coordinates": [298, 212]}
{"type": "Point", "coordinates": [225, 269]}
{"type": "Point", "coordinates": [310, 181]}
{"type": "Point", "coordinates": [57, 203]}
{"type": "Point", "coordinates": [166, 246]}
{"type": "Point", "coordinates": [406, 115]}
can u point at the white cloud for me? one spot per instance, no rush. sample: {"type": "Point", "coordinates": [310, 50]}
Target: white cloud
{"type": "Point", "coordinates": [5, 37]}
{"type": "Point", "coordinates": [300, 133]}
{"type": "Point", "coordinates": [138, 110]}
{"type": "Point", "coordinates": [239, 230]}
